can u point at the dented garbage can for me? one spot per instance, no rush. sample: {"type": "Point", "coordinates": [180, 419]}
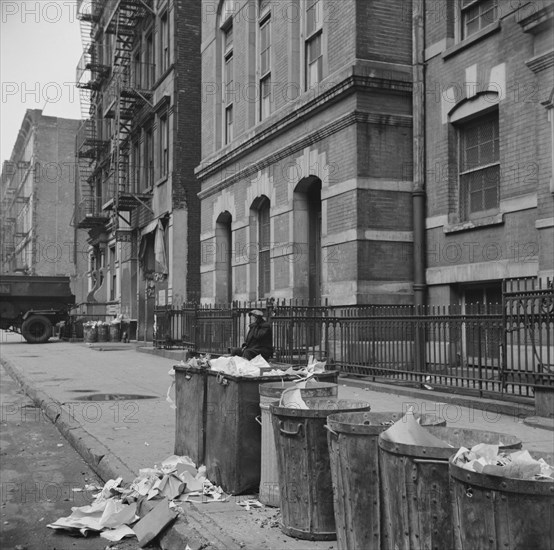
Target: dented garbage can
{"type": "Point", "coordinates": [521, 510]}
{"type": "Point", "coordinates": [354, 457]}
{"type": "Point", "coordinates": [271, 392]}
{"type": "Point", "coordinates": [417, 500]}
{"type": "Point", "coordinates": [306, 490]}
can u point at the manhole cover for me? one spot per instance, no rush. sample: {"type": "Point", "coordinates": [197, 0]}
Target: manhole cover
{"type": "Point", "coordinates": [114, 397]}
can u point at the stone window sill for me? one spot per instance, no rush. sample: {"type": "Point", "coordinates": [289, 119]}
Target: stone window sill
{"type": "Point", "coordinates": [470, 40]}
{"type": "Point", "coordinates": [497, 219]}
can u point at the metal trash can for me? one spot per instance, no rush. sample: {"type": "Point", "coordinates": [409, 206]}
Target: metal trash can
{"type": "Point", "coordinates": [305, 485]}
{"type": "Point", "coordinates": [103, 332]}
{"type": "Point", "coordinates": [520, 510]}
{"type": "Point", "coordinates": [415, 486]}
{"type": "Point", "coordinates": [354, 456]}
{"type": "Point", "coordinates": [270, 392]}
{"type": "Point", "coordinates": [115, 332]}
{"type": "Point", "coordinates": [90, 333]}
{"type": "Point", "coordinates": [190, 413]}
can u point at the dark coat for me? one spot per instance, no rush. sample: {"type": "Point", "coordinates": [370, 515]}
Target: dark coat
{"type": "Point", "coordinates": [259, 339]}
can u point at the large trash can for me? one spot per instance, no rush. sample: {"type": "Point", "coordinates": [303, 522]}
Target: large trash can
{"type": "Point", "coordinates": [354, 457]}
{"type": "Point", "coordinates": [90, 333]}
{"type": "Point", "coordinates": [115, 332]}
{"type": "Point", "coordinates": [305, 485]}
{"type": "Point", "coordinates": [233, 448]}
{"type": "Point", "coordinates": [271, 392]}
{"type": "Point", "coordinates": [497, 513]}
{"type": "Point", "coordinates": [417, 502]}
{"type": "Point", "coordinates": [190, 413]}
{"type": "Point", "coordinates": [103, 332]}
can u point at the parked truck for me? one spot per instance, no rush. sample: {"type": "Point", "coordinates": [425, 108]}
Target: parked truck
{"type": "Point", "coordinates": [32, 305]}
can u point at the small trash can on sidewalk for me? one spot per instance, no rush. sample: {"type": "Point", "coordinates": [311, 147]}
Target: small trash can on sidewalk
{"type": "Point", "coordinates": [271, 392]}
{"type": "Point", "coordinates": [115, 332]}
{"type": "Point", "coordinates": [90, 333]}
{"type": "Point", "coordinates": [354, 456]}
{"type": "Point", "coordinates": [103, 332]}
{"type": "Point", "coordinates": [305, 485]}
{"type": "Point", "coordinates": [417, 502]}
{"type": "Point", "coordinates": [521, 510]}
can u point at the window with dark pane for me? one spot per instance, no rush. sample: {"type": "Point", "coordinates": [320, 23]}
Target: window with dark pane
{"type": "Point", "coordinates": [264, 249]}
{"type": "Point", "coordinates": [265, 65]}
{"type": "Point", "coordinates": [477, 14]}
{"type": "Point", "coordinates": [479, 166]}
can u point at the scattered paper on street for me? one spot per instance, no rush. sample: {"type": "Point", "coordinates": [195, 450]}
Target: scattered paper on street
{"type": "Point", "coordinates": [146, 505]}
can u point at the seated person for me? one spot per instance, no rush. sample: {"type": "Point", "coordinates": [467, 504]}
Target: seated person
{"type": "Point", "coordinates": [259, 340]}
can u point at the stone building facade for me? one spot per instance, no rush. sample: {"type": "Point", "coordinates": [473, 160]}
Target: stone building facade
{"type": "Point", "coordinates": [489, 131]}
{"type": "Point", "coordinates": [37, 186]}
{"type": "Point", "coordinates": [306, 186]}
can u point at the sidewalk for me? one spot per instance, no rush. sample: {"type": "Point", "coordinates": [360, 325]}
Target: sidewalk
{"type": "Point", "coordinates": [118, 437]}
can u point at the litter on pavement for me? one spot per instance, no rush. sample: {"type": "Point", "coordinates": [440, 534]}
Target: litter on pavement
{"type": "Point", "coordinates": [144, 507]}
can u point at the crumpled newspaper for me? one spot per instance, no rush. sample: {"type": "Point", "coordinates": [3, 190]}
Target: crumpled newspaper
{"type": "Point", "coordinates": [486, 459]}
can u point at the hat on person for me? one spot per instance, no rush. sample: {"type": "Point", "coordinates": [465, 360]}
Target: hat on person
{"type": "Point", "coordinates": [257, 313]}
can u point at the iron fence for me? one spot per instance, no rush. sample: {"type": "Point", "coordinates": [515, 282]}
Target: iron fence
{"type": "Point", "coordinates": [481, 349]}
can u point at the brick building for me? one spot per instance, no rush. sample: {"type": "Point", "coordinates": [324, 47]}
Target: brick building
{"type": "Point", "coordinates": [137, 195]}
{"type": "Point", "coordinates": [37, 186]}
{"type": "Point", "coordinates": [489, 131]}
{"type": "Point", "coordinates": [305, 177]}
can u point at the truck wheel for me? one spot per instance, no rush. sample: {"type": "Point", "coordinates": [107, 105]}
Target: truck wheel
{"type": "Point", "coordinates": [37, 329]}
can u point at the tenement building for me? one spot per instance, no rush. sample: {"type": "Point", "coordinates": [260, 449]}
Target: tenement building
{"type": "Point", "coordinates": [137, 194]}
{"type": "Point", "coordinates": [306, 180]}
{"type": "Point", "coordinates": [37, 188]}
{"type": "Point", "coordinates": [488, 110]}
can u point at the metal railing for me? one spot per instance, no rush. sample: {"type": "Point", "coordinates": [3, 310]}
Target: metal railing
{"type": "Point", "coordinates": [499, 349]}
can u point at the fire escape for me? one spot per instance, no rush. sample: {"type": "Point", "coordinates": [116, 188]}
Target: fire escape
{"type": "Point", "coordinates": [129, 91]}
{"type": "Point", "coordinates": [90, 146]}
{"type": "Point", "coordinates": [114, 87]}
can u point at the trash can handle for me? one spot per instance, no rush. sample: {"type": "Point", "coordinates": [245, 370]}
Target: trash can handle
{"type": "Point", "coordinates": [220, 378]}
{"type": "Point", "coordinates": [329, 429]}
{"type": "Point", "coordinates": [287, 432]}
{"type": "Point", "coordinates": [428, 461]}
{"type": "Point", "coordinates": [258, 419]}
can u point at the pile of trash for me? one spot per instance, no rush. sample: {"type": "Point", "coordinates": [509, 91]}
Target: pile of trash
{"type": "Point", "coordinates": [486, 459]}
{"type": "Point", "coordinates": [144, 507]}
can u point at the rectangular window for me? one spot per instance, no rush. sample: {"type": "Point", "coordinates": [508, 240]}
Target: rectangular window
{"type": "Point", "coordinates": [265, 67]}
{"type": "Point", "coordinates": [148, 159]}
{"type": "Point", "coordinates": [228, 81]}
{"type": "Point", "coordinates": [164, 43]}
{"type": "Point", "coordinates": [113, 273]}
{"type": "Point", "coordinates": [229, 124]}
{"type": "Point", "coordinates": [137, 71]}
{"type": "Point", "coordinates": [313, 57]}
{"type": "Point", "coordinates": [164, 145]}
{"type": "Point", "coordinates": [135, 184]}
{"type": "Point", "coordinates": [479, 166]}
{"type": "Point", "coordinates": [264, 244]}
{"type": "Point", "coordinates": [477, 14]}
{"type": "Point", "coordinates": [149, 60]}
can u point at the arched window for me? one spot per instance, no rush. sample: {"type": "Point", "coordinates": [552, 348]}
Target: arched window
{"type": "Point", "coordinates": [223, 266]}
{"type": "Point", "coordinates": [260, 237]}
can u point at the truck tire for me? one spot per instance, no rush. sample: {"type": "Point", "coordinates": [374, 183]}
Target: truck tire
{"type": "Point", "coordinates": [37, 329]}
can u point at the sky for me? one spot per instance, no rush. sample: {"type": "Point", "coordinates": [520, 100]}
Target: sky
{"type": "Point", "coordinates": [40, 45]}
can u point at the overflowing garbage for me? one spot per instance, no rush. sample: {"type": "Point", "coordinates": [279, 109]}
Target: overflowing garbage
{"type": "Point", "coordinates": [144, 507]}
{"type": "Point", "coordinates": [487, 459]}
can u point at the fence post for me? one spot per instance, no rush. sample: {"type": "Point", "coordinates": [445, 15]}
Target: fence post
{"type": "Point", "coordinates": [419, 347]}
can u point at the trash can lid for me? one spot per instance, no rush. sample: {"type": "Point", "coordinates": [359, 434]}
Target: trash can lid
{"type": "Point", "coordinates": [321, 407]}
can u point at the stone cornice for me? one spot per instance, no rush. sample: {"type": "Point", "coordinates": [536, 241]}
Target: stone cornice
{"type": "Point", "coordinates": [337, 125]}
{"type": "Point", "coordinates": [541, 62]}
{"type": "Point", "coordinates": [538, 20]}
{"type": "Point", "coordinates": [286, 118]}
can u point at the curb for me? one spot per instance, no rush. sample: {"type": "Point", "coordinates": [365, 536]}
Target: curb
{"type": "Point", "coordinates": [540, 422]}
{"type": "Point", "coordinates": [517, 410]}
{"type": "Point", "coordinates": [188, 528]}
